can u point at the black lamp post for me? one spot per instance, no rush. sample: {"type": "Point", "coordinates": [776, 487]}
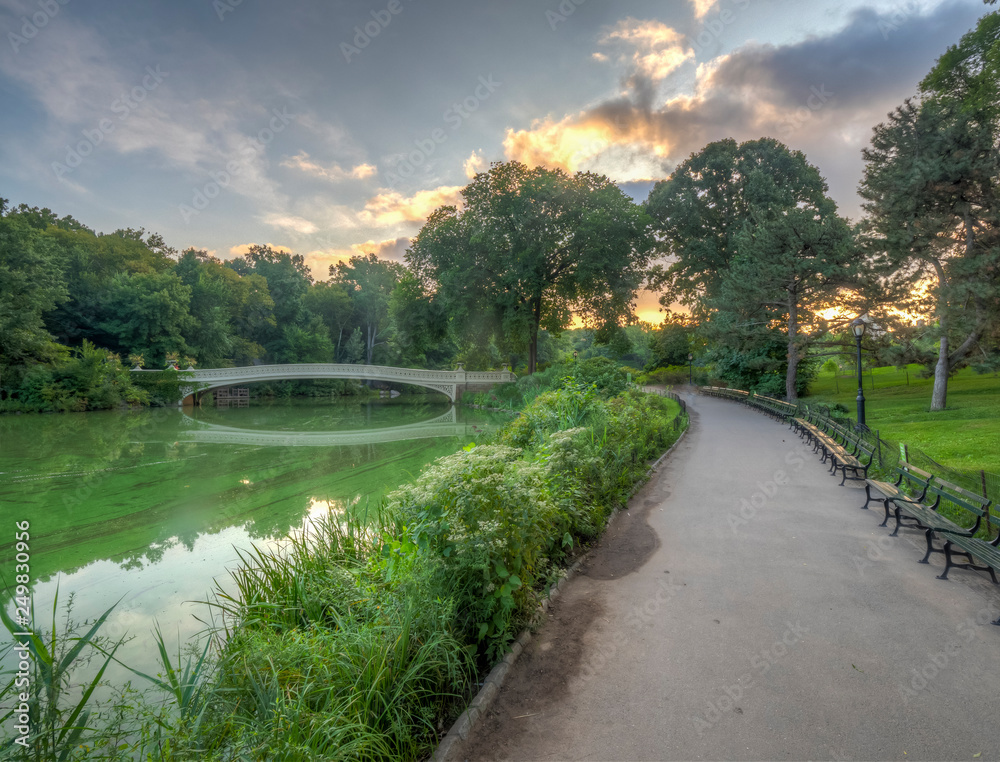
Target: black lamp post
{"type": "Point", "coordinates": [690, 369]}
{"type": "Point", "coordinates": [858, 326]}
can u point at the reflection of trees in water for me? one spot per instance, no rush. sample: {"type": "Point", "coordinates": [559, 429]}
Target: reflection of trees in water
{"type": "Point", "coordinates": [99, 483]}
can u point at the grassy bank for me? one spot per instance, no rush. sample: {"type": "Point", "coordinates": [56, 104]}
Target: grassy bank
{"type": "Point", "coordinates": [965, 436]}
{"type": "Point", "coordinates": [365, 639]}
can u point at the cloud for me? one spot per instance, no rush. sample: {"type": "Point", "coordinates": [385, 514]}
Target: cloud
{"type": "Point", "coordinates": [702, 7]}
{"type": "Point", "coordinates": [320, 261]}
{"type": "Point", "coordinates": [242, 249]}
{"type": "Point", "coordinates": [821, 95]}
{"type": "Point", "coordinates": [474, 164]}
{"type": "Point", "coordinates": [333, 173]}
{"type": "Point", "coordinates": [290, 222]}
{"type": "Point", "coordinates": [653, 49]}
{"type": "Point", "coordinates": [392, 208]}
{"type": "Point", "coordinates": [107, 99]}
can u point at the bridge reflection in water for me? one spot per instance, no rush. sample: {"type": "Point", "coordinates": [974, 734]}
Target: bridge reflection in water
{"type": "Point", "coordinates": [445, 425]}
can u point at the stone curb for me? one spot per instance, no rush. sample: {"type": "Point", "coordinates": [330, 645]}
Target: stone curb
{"type": "Point", "coordinates": [461, 729]}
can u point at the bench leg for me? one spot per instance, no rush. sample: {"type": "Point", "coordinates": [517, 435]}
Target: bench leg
{"type": "Point", "coordinates": [885, 503]}
{"type": "Point", "coordinates": [930, 549]}
{"type": "Point", "coordinates": [899, 523]}
{"type": "Point", "coordinates": [868, 496]}
{"type": "Point", "coordinates": [844, 469]}
{"type": "Point", "coordinates": [947, 561]}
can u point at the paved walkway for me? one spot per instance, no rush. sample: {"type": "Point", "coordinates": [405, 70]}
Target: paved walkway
{"type": "Point", "coordinates": [744, 608]}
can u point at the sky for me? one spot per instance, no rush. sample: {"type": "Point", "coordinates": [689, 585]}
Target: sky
{"type": "Point", "coordinates": [332, 128]}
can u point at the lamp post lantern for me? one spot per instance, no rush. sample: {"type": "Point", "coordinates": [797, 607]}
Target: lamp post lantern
{"type": "Point", "coordinates": [858, 327]}
{"type": "Point", "coordinates": [690, 369]}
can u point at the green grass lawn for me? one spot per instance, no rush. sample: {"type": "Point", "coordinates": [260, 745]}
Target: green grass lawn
{"type": "Point", "coordinates": [964, 436]}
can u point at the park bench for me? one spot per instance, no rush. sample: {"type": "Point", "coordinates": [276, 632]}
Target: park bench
{"type": "Point", "coordinates": [925, 514]}
{"type": "Point", "coordinates": [969, 546]}
{"type": "Point", "coordinates": [851, 452]}
{"type": "Point", "coordinates": [719, 391]}
{"type": "Point", "coordinates": [777, 409]}
{"type": "Point", "coordinates": [844, 449]}
{"type": "Point", "coordinates": [811, 426]}
{"type": "Point", "coordinates": [911, 483]}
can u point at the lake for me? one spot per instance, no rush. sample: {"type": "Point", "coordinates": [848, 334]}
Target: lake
{"type": "Point", "coordinates": [150, 506]}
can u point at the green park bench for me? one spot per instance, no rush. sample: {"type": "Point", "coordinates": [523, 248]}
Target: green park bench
{"type": "Point", "coordinates": [968, 545]}
{"type": "Point", "coordinates": [842, 448]}
{"type": "Point", "coordinates": [777, 409]}
{"type": "Point", "coordinates": [911, 483]}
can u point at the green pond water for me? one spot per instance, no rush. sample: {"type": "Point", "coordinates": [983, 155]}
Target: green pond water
{"type": "Point", "coordinates": [150, 507]}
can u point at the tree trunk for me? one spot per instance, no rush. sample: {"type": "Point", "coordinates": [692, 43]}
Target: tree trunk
{"type": "Point", "coordinates": [536, 312]}
{"type": "Point", "coordinates": [791, 376]}
{"type": "Point", "coordinates": [939, 397]}
{"type": "Point", "coordinates": [533, 350]}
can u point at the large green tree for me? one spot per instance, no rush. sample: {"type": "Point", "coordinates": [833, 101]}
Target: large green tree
{"type": "Point", "coordinates": [31, 284]}
{"type": "Point", "coordinates": [332, 303]}
{"type": "Point", "coordinates": [932, 193]}
{"type": "Point", "coordinates": [530, 248]}
{"type": "Point", "coordinates": [369, 282]}
{"type": "Point", "coordinates": [756, 243]}
{"type": "Point", "coordinates": [288, 280]}
{"type": "Point", "coordinates": [147, 314]}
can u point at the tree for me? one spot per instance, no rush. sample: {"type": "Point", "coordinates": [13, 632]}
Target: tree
{"type": "Point", "coordinates": [420, 323]}
{"type": "Point", "coordinates": [757, 243]}
{"type": "Point", "coordinates": [932, 193]}
{"type": "Point", "coordinates": [288, 280]}
{"type": "Point", "coordinates": [370, 282]}
{"type": "Point", "coordinates": [530, 248]}
{"type": "Point", "coordinates": [31, 284]}
{"type": "Point", "coordinates": [147, 314]}
{"type": "Point", "coordinates": [671, 344]}
{"type": "Point", "coordinates": [308, 343]}
{"type": "Point", "coordinates": [211, 335]}
{"type": "Point", "coordinates": [332, 303]}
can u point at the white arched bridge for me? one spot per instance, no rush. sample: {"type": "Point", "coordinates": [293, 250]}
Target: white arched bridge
{"type": "Point", "coordinates": [450, 382]}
